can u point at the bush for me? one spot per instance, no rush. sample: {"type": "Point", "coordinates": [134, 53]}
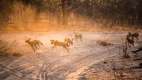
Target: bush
{"type": "Point", "coordinates": [4, 53]}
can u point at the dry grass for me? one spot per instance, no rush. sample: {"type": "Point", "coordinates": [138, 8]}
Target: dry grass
{"type": "Point", "coordinates": [5, 50]}
{"type": "Point", "coordinates": [3, 54]}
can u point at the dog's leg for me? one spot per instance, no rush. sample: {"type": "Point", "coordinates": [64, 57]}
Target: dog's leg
{"type": "Point", "coordinates": [66, 48]}
{"type": "Point", "coordinates": [38, 45]}
{"type": "Point", "coordinates": [53, 46]}
{"type": "Point", "coordinates": [33, 47]}
{"type": "Point", "coordinates": [41, 43]}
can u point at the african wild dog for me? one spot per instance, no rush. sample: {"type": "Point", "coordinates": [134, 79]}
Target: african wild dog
{"type": "Point", "coordinates": [78, 36]}
{"type": "Point", "coordinates": [69, 41]}
{"type": "Point", "coordinates": [135, 35]}
{"type": "Point", "coordinates": [34, 44]}
{"type": "Point", "coordinates": [130, 38]}
{"type": "Point", "coordinates": [56, 43]}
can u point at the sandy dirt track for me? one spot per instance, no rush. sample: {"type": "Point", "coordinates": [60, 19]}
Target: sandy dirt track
{"type": "Point", "coordinates": [55, 63]}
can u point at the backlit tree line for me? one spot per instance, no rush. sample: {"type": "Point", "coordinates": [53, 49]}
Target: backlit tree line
{"type": "Point", "coordinates": [115, 11]}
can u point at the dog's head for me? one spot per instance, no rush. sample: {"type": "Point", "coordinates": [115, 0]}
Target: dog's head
{"type": "Point", "coordinates": [27, 40]}
{"type": "Point", "coordinates": [52, 41]}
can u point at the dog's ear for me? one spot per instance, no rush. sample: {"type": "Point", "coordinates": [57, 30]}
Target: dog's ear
{"type": "Point", "coordinates": [28, 39]}
{"type": "Point", "coordinates": [51, 40]}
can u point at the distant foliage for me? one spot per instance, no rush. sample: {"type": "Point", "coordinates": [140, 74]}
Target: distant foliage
{"type": "Point", "coordinates": [115, 11]}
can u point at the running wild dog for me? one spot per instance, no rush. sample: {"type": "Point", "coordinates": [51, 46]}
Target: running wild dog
{"type": "Point", "coordinates": [35, 44]}
{"type": "Point", "coordinates": [135, 35]}
{"type": "Point", "coordinates": [69, 41]}
{"type": "Point", "coordinates": [78, 36]}
{"type": "Point", "coordinates": [130, 38]}
{"type": "Point", "coordinates": [56, 43]}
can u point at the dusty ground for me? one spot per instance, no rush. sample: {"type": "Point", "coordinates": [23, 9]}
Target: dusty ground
{"type": "Point", "coordinates": [115, 68]}
{"type": "Point", "coordinates": [57, 63]}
